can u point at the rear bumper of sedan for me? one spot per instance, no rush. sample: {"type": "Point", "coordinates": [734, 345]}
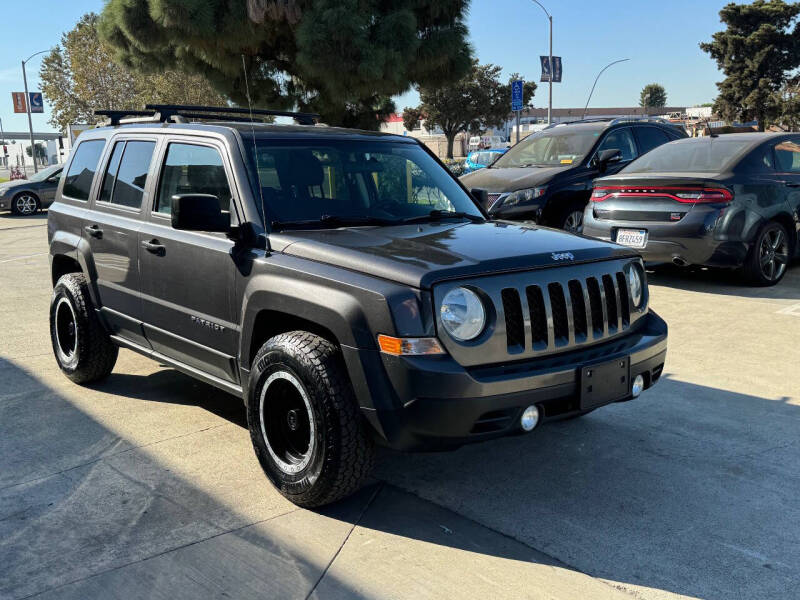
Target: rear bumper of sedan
{"type": "Point", "coordinates": [699, 238]}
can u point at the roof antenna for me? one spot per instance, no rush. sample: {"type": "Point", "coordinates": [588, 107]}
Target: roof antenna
{"type": "Point", "coordinates": [710, 133]}
{"type": "Point", "coordinates": [255, 149]}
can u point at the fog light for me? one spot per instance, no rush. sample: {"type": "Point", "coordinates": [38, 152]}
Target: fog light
{"type": "Point", "coordinates": [530, 417]}
{"type": "Point", "coordinates": [638, 385]}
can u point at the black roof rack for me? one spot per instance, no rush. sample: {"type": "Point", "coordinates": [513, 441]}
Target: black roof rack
{"type": "Point", "coordinates": [164, 113]}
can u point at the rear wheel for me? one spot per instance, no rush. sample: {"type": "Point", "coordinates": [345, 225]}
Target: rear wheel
{"type": "Point", "coordinates": [304, 422]}
{"type": "Point", "coordinates": [25, 204]}
{"type": "Point", "coordinates": [769, 256]}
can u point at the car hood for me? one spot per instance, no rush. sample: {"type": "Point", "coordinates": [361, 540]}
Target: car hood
{"type": "Point", "coordinates": [420, 255]}
{"type": "Point", "coordinates": [511, 179]}
{"type": "Point", "coordinates": [17, 183]}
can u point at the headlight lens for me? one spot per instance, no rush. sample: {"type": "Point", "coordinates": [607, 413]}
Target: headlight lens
{"type": "Point", "coordinates": [636, 285]}
{"type": "Point", "coordinates": [522, 196]}
{"type": "Point", "coordinates": [462, 313]}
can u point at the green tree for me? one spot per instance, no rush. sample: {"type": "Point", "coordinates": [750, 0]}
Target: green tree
{"type": "Point", "coordinates": [411, 117]}
{"type": "Point", "coordinates": [79, 76]}
{"type": "Point", "coordinates": [344, 59]}
{"type": "Point", "coordinates": [756, 51]}
{"type": "Point", "coordinates": [653, 94]}
{"type": "Point", "coordinates": [474, 103]}
{"type": "Point", "coordinates": [41, 151]}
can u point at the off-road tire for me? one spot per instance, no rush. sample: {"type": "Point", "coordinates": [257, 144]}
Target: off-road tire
{"type": "Point", "coordinates": [343, 454]}
{"type": "Point", "coordinates": [752, 269]}
{"type": "Point", "coordinates": [95, 354]}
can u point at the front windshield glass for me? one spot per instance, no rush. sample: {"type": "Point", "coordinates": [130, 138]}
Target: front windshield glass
{"type": "Point", "coordinates": [549, 148]}
{"type": "Point", "coordinates": [711, 155]}
{"type": "Point", "coordinates": [42, 175]}
{"type": "Point", "coordinates": [341, 180]}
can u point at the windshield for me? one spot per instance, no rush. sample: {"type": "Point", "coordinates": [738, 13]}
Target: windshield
{"type": "Point", "coordinates": [42, 175]}
{"type": "Point", "coordinates": [701, 155]}
{"type": "Point", "coordinates": [340, 182]}
{"type": "Point", "coordinates": [549, 148]}
{"type": "Point", "coordinates": [483, 158]}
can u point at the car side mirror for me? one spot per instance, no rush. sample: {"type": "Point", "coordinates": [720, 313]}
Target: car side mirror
{"type": "Point", "coordinates": [605, 157]}
{"type": "Point", "coordinates": [198, 212]}
{"type": "Point", "coordinates": [481, 196]}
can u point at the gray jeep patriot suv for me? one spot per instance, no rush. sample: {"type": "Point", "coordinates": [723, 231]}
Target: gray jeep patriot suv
{"type": "Point", "coordinates": [342, 283]}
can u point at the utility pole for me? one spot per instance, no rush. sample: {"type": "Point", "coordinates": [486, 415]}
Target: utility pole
{"type": "Point", "coordinates": [585, 108]}
{"type": "Point", "coordinates": [3, 136]}
{"type": "Point", "coordinates": [550, 101]}
{"type": "Point", "coordinates": [28, 109]}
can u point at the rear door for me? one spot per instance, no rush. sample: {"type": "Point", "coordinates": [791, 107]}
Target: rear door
{"type": "Point", "coordinates": [188, 276]}
{"type": "Point", "coordinates": [787, 165]}
{"type": "Point", "coordinates": [112, 232]}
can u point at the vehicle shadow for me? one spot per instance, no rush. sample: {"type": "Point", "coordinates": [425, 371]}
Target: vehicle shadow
{"type": "Point", "coordinates": [724, 282]}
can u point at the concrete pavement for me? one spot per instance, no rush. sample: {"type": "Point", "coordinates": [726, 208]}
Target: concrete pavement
{"type": "Point", "coordinates": [145, 485]}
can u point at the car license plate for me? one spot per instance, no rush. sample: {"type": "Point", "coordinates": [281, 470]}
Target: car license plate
{"type": "Point", "coordinates": [604, 383]}
{"type": "Point", "coordinates": [635, 238]}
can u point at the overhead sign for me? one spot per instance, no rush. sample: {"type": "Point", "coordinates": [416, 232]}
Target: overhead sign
{"type": "Point", "coordinates": [37, 104]}
{"type": "Point", "coordinates": [516, 94]}
{"type": "Point", "coordinates": [546, 68]}
{"type": "Point", "coordinates": [19, 102]}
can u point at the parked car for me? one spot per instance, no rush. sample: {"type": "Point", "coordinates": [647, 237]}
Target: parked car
{"type": "Point", "coordinates": [343, 284]}
{"type": "Point", "coordinates": [547, 177]}
{"type": "Point", "coordinates": [721, 201]}
{"type": "Point", "coordinates": [27, 196]}
{"type": "Point", "coordinates": [485, 142]}
{"type": "Point", "coordinates": [481, 158]}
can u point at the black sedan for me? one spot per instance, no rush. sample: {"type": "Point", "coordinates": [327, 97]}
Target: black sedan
{"type": "Point", "coordinates": [27, 196]}
{"type": "Point", "coordinates": [722, 201]}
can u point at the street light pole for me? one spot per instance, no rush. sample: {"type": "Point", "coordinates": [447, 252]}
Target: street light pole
{"type": "Point", "coordinates": [585, 108]}
{"type": "Point", "coordinates": [550, 100]}
{"type": "Point", "coordinates": [28, 109]}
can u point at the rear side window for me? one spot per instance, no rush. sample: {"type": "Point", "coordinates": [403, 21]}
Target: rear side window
{"type": "Point", "coordinates": [787, 157]}
{"type": "Point", "coordinates": [192, 169]}
{"type": "Point", "coordinates": [78, 181]}
{"type": "Point", "coordinates": [126, 175]}
{"type": "Point", "coordinates": [649, 138]}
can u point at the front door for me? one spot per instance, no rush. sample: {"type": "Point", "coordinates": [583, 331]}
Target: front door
{"type": "Point", "coordinates": [112, 232]}
{"type": "Point", "coordinates": [188, 276]}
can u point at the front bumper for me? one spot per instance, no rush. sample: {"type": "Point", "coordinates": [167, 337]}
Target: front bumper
{"type": "Point", "coordinates": [697, 239]}
{"type": "Point", "coordinates": [426, 403]}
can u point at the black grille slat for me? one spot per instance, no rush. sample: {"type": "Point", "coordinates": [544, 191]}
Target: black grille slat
{"type": "Point", "coordinates": [611, 303]}
{"type": "Point", "coordinates": [560, 318]}
{"type": "Point", "coordinates": [596, 305]}
{"type": "Point", "coordinates": [578, 310]}
{"type": "Point", "coordinates": [538, 316]}
{"type": "Point", "coordinates": [623, 300]}
{"type": "Point", "coordinates": [515, 325]}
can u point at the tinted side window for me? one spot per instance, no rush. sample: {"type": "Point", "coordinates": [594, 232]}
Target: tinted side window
{"type": "Point", "coordinates": [132, 174]}
{"type": "Point", "coordinates": [649, 138]}
{"type": "Point", "coordinates": [787, 156]}
{"type": "Point", "coordinates": [78, 182]}
{"type": "Point", "coordinates": [111, 172]}
{"type": "Point", "coordinates": [192, 169]}
{"type": "Point", "coordinates": [620, 140]}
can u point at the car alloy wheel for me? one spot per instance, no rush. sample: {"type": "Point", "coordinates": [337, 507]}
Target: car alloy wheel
{"type": "Point", "coordinates": [574, 222]}
{"type": "Point", "coordinates": [25, 204]}
{"type": "Point", "coordinates": [773, 253]}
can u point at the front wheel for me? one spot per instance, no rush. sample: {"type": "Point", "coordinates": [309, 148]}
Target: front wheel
{"type": "Point", "coordinates": [769, 256]}
{"type": "Point", "coordinates": [305, 425]}
{"type": "Point", "coordinates": [25, 204]}
{"type": "Point", "coordinates": [571, 218]}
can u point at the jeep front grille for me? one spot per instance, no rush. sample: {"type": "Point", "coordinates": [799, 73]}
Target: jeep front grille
{"type": "Point", "coordinates": [549, 311]}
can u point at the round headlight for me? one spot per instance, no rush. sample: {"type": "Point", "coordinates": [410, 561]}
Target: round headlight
{"type": "Point", "coordinates": [463, 314]}
{"type": "Point", "coordinates": [636, 286]}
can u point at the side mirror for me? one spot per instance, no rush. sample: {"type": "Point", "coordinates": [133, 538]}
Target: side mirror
{"type": "Point", "coordinates": [605, 157]}
{"type": "Point", "coordinates": [198, 212]}
{"type": "Point", "coordinates": [481, 196]}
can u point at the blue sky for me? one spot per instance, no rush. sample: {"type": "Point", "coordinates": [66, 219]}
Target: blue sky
{"type": "Point", "coordinates": [660, 38]}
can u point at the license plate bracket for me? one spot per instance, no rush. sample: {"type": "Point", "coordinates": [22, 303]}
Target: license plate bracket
{"type": "Point", "coordinates": [633, 238]}
{"type": "Point", "coordinates": [606, 382]}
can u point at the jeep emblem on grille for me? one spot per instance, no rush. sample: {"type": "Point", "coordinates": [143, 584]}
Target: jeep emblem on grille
{"type": "Point", "coordinates": [562, 256]}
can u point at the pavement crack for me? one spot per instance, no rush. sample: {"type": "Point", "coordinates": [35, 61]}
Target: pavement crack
{"type": "Point", "coordinates": [377, 491]}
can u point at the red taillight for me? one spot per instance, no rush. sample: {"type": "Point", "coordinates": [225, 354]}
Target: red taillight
{"type": "Point", "coordinates": [687, 195]}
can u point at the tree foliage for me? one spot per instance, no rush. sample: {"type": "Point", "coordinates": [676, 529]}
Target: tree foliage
{"type": "Point", "coordinates": [79, 77]}
{"type": "Point", "coordinates": [473, 103]}
{"type": "Point", "coordinates": [344, 59]}
{"type": "Point", "coordinates": [41, 151]}
{"type": "Point", "coordinates": [756, 52]}
{"type": "Point", "coordinates": [653, 94]}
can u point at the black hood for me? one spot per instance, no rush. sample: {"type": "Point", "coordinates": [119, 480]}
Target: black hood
{"type": "Point", "coordinates": [419, 255]}
{"type": "Point", "coordinates": [511, 179]}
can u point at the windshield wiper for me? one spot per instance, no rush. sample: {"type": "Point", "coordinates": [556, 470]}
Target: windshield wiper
{"type": "Point", "coordinates": [437, 215]}
{"type": "Point", "coordinates": [329, 221]}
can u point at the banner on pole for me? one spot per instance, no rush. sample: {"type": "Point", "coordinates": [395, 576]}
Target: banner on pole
{"type": "Point", "coordinates": [19, 102]}
{"type": "Point", "coordinates": [546, 68]}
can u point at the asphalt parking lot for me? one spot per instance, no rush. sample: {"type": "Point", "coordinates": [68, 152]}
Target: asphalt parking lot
{"type": "Point", "coordinates": [145, 485]}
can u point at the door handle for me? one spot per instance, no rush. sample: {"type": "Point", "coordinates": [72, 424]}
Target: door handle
{"type": "Point", "coordinates": [154, 247]}
{"type": "Point", "coordinates": [94, 231]}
